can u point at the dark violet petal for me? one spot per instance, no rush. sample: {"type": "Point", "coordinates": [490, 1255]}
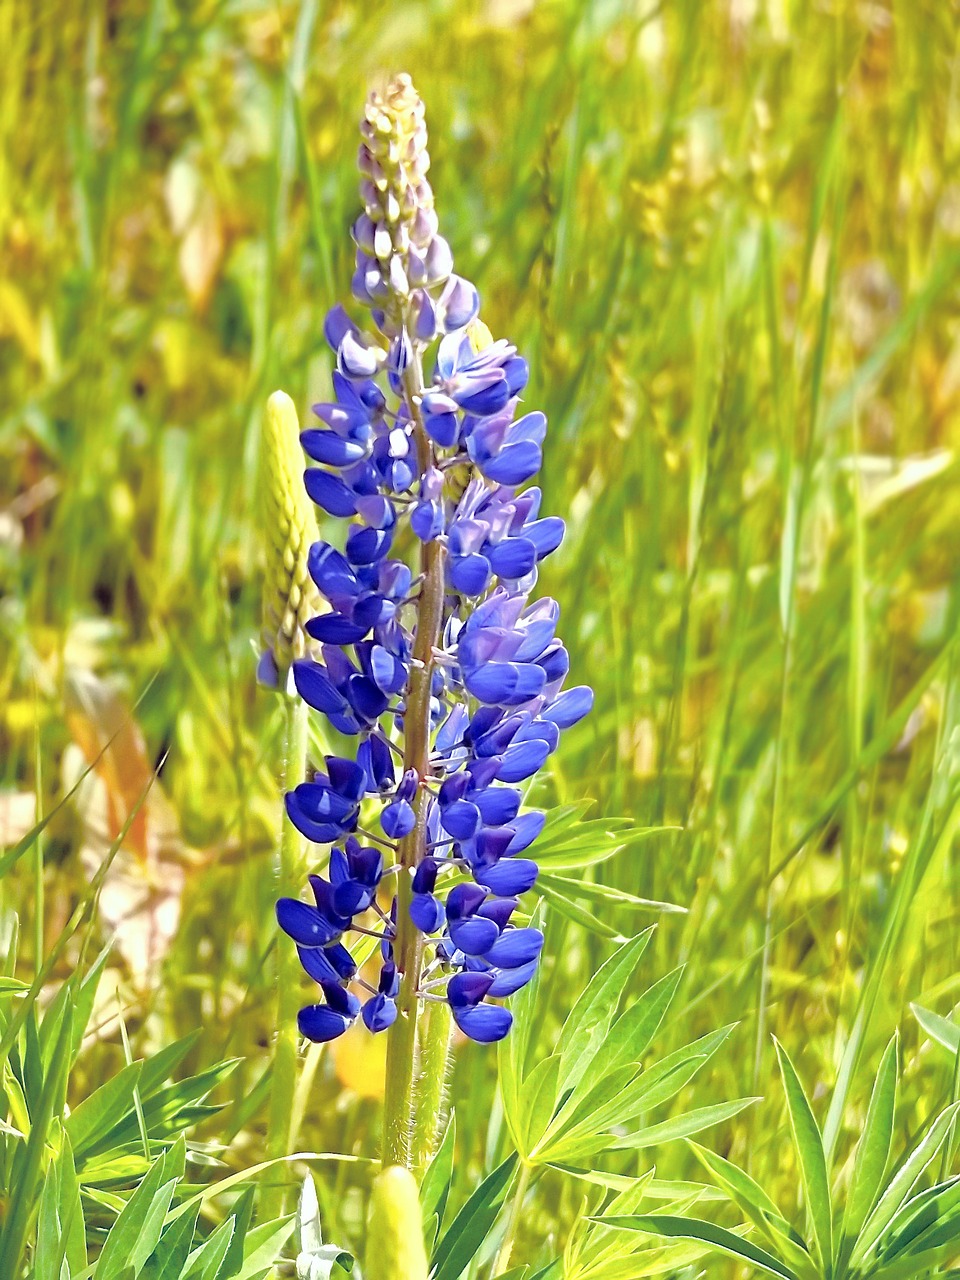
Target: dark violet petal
{"type": "Point", "coordinates": [318, 832]}
{"type": "Point", "coordinates": [304, 924]}
{"type": "Point", "coordinates": [321, 803]}
{"type": "Point", "coordinates": [425, 876]}
{"type": "Point", "coordinates": [546, 535]}
{"type": "Point", "coordinates": [317, 964]}
{"type": "Point", "coordinates": [331, 571]}
{"type": "Point", "coordinates": [346, 776]}
{"type": "Point", "coordinates": [514, 464]}
{"type": "Point", "coordinates": [398, 819]}
{"type": "Point", "coordinates": [517, 373]}
{"type": "Point", "coordinates": [342, 960]}
{"type": "Point", "coordinates": [467, 989]}
{"type": "Point", "coordinates": [510, 876]}
{"type": "Point", "coordinates": [329, 492]}
{"type": "Point", "coordinates": [470, 574]}
{"type": "Point", "coordinates": [522, 760]}
{"type": "Point", "coordinates": [514, 948]}
{"type": "Point", "coordinates": [474, 936]}
{"type": "Point", "coordinates": [319, 1023]}
{"type": "Point", "coordinates": [463, 900]}
{"type": "Point", "coordinates": [486, 1023]}
{"type": "Point", "coordinates": [379, 1013]}
{"type": "Point", "coordinates": [498, 805]}
{"type": "Point", "coordinates": [513, 558]}
{"type": "Point", "coordinates": [366, 545]}
{"type": "Point", "coordinates": [328, 447]}
{"type": "Point", "coordinates": [461, 820]}
{"type": "Point", "coordinates": [315, 687]}
{"type": "Point", "coordinates": [450, 733]}
{"type": "Point", "coordinates": [335, 628]}
{"type": "Point", "coordinates": [572, 705]}
{"type": "Point", "coordinates": [510, 980]}
{"type": "Point", "coordinates": [426, 520]}
{"type": "Point", "coordinates": [555, 662]}
{"type": "Point", "coordinates": [375, 759]}
{"type": "Point", "coordinates": [442, 428]}
{"type": "Point", "coordinates": [351, 897]}
{"type": "Point", "coordinates": [499, 910]}
{"type": "Point", "coordinates": [545, 730]}
{"type": "Point", "coordinates": [530, 681]}
{"type": "Point", "coordinates": [484, 395]}
{"type": "Point", "coordinates": [367, 700]}
{"type": "Point", "coordinates": [427, 912]}
{"type": "Point", "coordinates": [492, 682]}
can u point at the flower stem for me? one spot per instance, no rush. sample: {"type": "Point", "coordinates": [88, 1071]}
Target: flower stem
{"type": "Point", "coordinates": [408, 949]}
{"type": "Point", "coordinates": [513, 1222]}
{"type": "Point", "coordinates": [289, 874]}
{"type": "Point", "coordinates": [431, 1085]}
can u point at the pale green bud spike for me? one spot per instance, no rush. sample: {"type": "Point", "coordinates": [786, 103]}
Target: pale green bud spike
{"type": "Point", "coordinates": [289, 526]}
{"type": "Point", "coordinates": [394, 1246]}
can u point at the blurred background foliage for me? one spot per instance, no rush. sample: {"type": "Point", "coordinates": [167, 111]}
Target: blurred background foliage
{"type": "Point", "coordinates": [727, 235]}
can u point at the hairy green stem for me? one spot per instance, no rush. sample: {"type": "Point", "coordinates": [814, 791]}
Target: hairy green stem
{"type": "Point", "coordinates": [402, 1045]}
{"type": "Point", "coordinates": [289, 875]}
{"type": "Point", "coordinates": [429, 1104]}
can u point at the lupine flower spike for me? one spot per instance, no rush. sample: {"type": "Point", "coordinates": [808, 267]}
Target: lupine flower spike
{"type": "Point", "coordinates": [449, 680]}
{"type": "Point", "coordinates": [290, 596]}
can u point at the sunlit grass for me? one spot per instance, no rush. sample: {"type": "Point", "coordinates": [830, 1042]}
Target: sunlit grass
{"type": "Point", "coordinates": [728, 237]}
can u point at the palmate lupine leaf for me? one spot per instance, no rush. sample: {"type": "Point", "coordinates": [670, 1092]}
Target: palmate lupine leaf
{"type": "Point", "coordinates": [577, 1102]}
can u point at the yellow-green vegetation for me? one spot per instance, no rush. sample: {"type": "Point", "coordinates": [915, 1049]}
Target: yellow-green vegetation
{"type": "Point", "coordinates": [726, 234]}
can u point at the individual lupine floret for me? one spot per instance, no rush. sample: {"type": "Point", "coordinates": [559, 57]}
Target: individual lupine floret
{"type": "Point", "coordinates": [439, 756]}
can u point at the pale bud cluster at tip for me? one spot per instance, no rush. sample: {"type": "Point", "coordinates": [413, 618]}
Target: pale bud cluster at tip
{"type": "Point", "coordinates": [404, 268]}
{"type": "Point", "coordinates": [290, 596]}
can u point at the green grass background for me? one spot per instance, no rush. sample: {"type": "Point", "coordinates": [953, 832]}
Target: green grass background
{"type": "Point", "coordinates": [727, 236]}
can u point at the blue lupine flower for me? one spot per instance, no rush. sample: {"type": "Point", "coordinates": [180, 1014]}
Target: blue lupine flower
{"type": "Point", "coordinates": [390, 456]}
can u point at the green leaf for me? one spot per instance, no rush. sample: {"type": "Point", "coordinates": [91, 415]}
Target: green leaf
{"type": "Point", "coordinates": [748, 1195]}
{"type": "Point", "coordinates": [170, 1256]}
{"type": "Point", "coordinates": [23, 1171]}
{"type": "Point", "coordinates": [435, 1187]}
{"type": "Point", "coordinates": [472, 1225]}
{"type": "Point", "coordinates": [538, 1100]}
{"type": "Point", "coordinates": [941, 1030]}
{"type": "Point", "coordinates": [137, 1230]}
{"type": "Point", "coordinates": [204, 1262]}
{"type": "Point", "coordinates": [905, 1178]}
{"type": "Point", "coordinates": [717, 1238]}
{"type": "Point", "coordinates": [101, 1111]}
{"type": "Point", "coordinates": [156, 1070]}
{"type": "Point", "coordinates": [873, 1150]}
{"type": "Point", "coordinates": [588, 1024]}
{"type": "Point", "coordinates": [263, 1246]}
{"type": "Point", "coordinates": [813, 1164]}
{"type": "Point", "coordinates": [682, 1126]}
{"type": "Point", "coordinates": [573, 911]}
